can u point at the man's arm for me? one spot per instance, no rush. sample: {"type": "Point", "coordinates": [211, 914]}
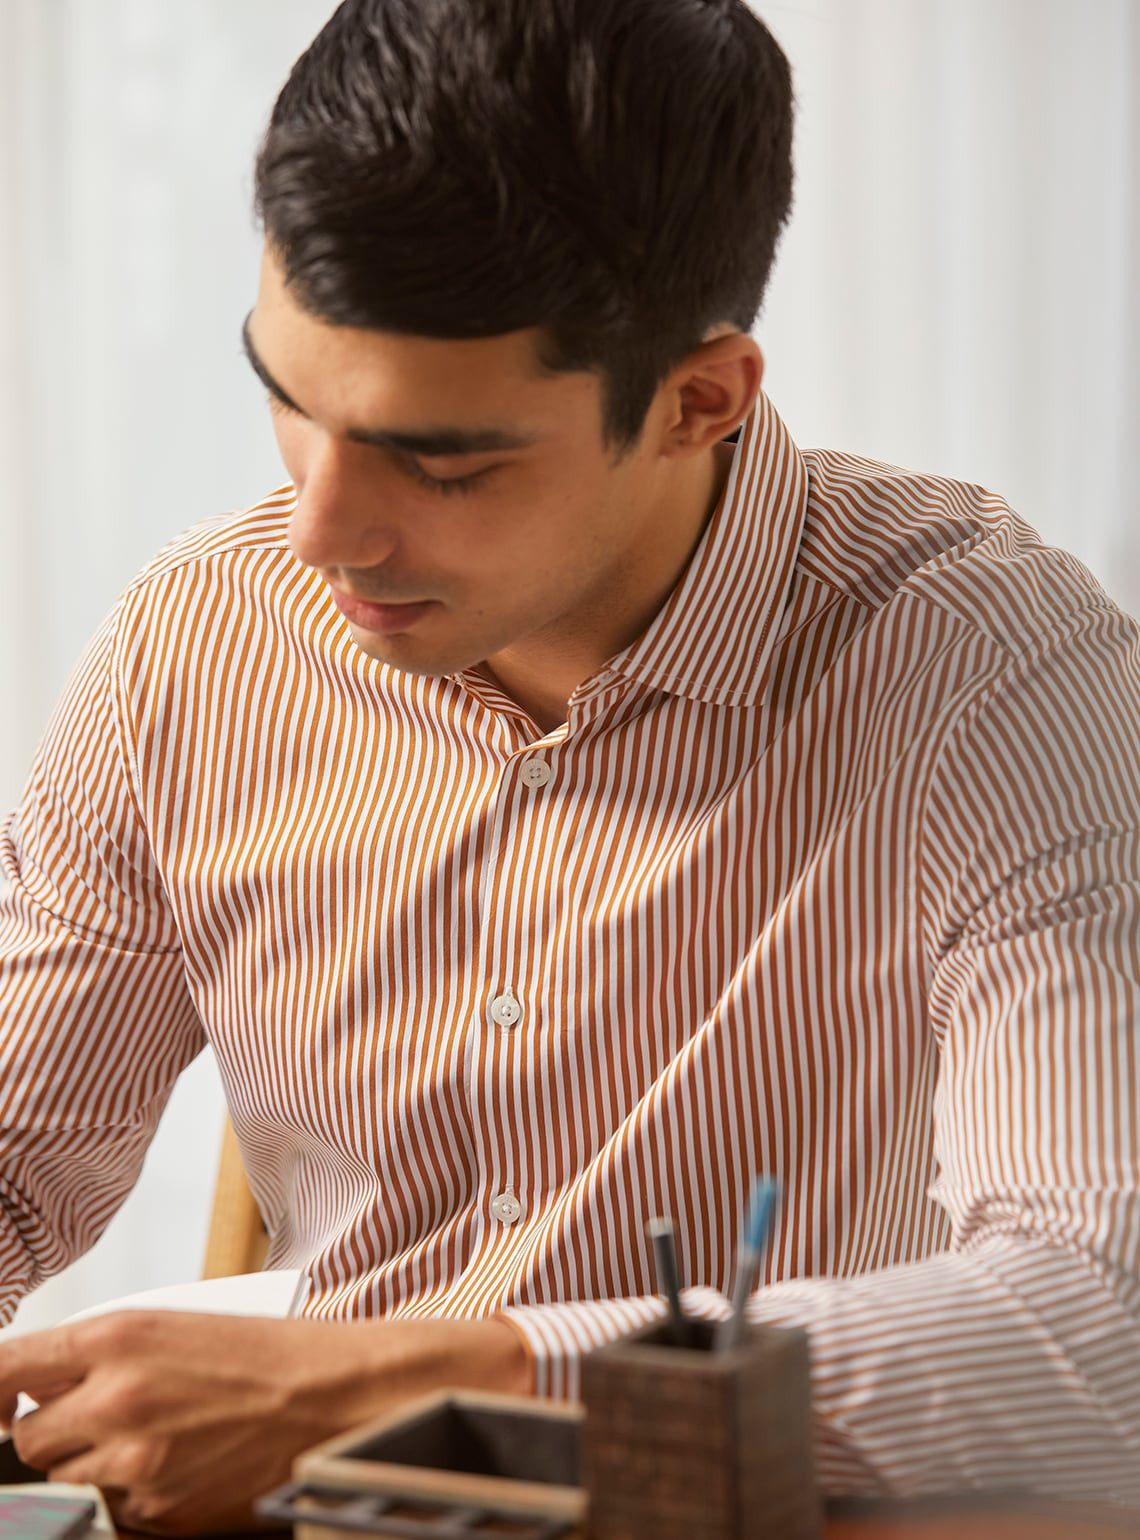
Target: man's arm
{"type": "Point", "coordinates": [184, 1419]}
{"type": "Point", "coordinates": [1014, 1360]}
{"type": "Point", "coordinates": [95, 1019]}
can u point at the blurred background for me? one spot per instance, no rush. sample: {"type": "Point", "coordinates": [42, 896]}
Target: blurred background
{"type": "Point", "coordinates": [957, 292]}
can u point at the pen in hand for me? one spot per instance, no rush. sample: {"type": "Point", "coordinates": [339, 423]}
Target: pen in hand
{"type": "Point", "coordinates": [760, 1204]}
{"type": "Point", "coordinates": [660, 1232]}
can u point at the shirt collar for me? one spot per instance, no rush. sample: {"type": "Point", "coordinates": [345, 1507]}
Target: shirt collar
{"type": "Point", "coordinates": [713, 639]}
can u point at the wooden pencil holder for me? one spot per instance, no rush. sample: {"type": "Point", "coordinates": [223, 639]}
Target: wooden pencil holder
{"type": "Point", "coordinates": [692, 1443]}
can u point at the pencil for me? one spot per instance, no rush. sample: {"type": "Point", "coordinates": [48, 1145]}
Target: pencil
{"type": "Point", "coordinates": [760, 1204]}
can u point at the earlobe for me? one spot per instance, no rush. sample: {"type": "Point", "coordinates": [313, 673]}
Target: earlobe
{"type": "Point", "coordinates": [714, 389]}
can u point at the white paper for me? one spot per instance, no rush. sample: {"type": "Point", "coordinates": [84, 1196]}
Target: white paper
{"type": "Point", "coordinates": [278, 1293]}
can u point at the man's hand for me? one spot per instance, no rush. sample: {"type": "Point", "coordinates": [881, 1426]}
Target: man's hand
{"type": "Point", "coordinates": [184, 1419]}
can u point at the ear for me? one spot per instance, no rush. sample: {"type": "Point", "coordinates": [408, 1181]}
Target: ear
{"type": "Point", "coordinates": [710, 393]}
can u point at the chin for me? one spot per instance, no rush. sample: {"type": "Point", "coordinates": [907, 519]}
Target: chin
{"type": "Point", "coordinates": [412, 654]}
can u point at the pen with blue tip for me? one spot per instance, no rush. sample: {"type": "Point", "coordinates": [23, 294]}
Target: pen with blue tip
{"type": "Point", "coordinates": [761, 1202]}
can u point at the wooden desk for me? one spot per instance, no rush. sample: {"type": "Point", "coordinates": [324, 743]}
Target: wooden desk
{"type": "Point", "coordinates": [977, 1519]}
{"type": "Point", "coordinates": [970, 1519]}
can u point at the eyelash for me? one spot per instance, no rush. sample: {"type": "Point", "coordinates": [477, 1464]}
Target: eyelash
{"type": "Point", "coordinates": [446, 487]}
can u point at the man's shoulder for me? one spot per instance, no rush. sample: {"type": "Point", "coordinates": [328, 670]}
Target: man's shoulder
{"type": "Point", "coordinates": [887, 536]}
{"type": "Point", "coordinates": [227, 584]}
{"type": "Point", "coordinates": [263, 527]}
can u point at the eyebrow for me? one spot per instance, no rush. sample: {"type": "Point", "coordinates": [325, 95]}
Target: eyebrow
{"type": "Point", "coordinates": [429, 442]}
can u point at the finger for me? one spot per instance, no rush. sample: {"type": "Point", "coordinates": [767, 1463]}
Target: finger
{"type": "Point", "coordinates": [133, 1503]}
{"type": "Point", "coordinates": [127, 1511]}
{"type": "Point", "coordinates": [42, 1364]}
{"type": "Point", "coordinates": [110, 1404]}
{"type": "Point", "coordinates": [43, 1439]}
{"type": "Point", "coordinates": [128, 1465]}
{"type": "Point", "coordinates": [46, 1393]}
{"type": "Point", "coordinates": [149, 1513]}
{"type": "Point", "coordinates": [130, 1505]}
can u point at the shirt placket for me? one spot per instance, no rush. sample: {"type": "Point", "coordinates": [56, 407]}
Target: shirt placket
{"type": "Point", "coordinates": [510, 1018]}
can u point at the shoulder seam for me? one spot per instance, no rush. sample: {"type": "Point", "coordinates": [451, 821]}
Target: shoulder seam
{"type": "Point", "coordinates": [158, 569]}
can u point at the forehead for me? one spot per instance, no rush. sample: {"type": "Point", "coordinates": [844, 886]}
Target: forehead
{"type": "Point", "coordinates": [345, 375]}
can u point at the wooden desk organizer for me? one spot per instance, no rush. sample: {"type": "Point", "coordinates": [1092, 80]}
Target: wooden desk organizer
{"type": "Point", "coordinates": [454, 1466]}
{"type": "Point", "coordinates": [671, 1444]}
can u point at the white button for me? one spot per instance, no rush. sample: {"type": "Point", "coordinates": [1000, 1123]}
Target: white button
{"type": "Point", "coordinates": [506, 1207]}
{"type": "Point", "coordinates": [505, 1009]}
{"type": "Point", "coordinates": [536, 772]}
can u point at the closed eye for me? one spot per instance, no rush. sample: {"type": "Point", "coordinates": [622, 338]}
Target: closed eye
{"type": "Point", "coordinates": [444, 485]}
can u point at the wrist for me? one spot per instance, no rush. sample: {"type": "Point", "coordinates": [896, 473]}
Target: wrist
{"type": "Point", "coordinates": [516, 1363]}
{"type": "Point", "coordinates": [483, 1355]}
{"type": "Point", "coordinates": [411, 1358]}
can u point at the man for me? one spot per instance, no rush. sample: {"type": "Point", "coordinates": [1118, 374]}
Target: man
{"type": "Point", "coordinates": [568, 799]}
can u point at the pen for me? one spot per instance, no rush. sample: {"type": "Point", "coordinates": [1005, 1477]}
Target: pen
{"type": "Point", "coordinates": [760, 1203]}
{"type": "Point", "coordinates": [665, 1260]}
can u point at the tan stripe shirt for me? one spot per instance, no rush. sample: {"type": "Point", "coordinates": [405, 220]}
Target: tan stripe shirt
{"type": "Point", "coordinates": [832, 875]}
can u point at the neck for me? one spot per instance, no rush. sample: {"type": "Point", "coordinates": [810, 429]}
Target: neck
{"type": "Point", "coordinates": [542, 673]}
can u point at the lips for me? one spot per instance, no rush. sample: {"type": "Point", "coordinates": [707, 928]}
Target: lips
{"type": "Point", "coordinates": [381, 619]}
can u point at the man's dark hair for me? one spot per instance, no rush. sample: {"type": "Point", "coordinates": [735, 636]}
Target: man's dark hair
{"type": "Point", "coordinates": [614, 172]}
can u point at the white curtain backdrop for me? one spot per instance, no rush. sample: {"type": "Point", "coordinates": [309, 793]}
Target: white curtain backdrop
{"type": "Point", "coordinates": [956, 292]}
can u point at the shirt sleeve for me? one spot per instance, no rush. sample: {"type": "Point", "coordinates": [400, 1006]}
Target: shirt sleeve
{"type": "Point", "coordinates": [1013, 1360]}
{"type": "Point", "coordinates": [96, 1021]}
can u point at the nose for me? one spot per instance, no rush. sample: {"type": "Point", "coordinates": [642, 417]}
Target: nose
{"type": "Point", "coordinates": [338, 519]}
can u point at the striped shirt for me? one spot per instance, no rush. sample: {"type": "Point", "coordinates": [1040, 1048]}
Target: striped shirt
{"type": "Point", "coordinates": [831, 874]}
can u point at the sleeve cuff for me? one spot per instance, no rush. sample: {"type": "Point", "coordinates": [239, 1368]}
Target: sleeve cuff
{"type": "Point", "coordinates": [556, 1336]}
